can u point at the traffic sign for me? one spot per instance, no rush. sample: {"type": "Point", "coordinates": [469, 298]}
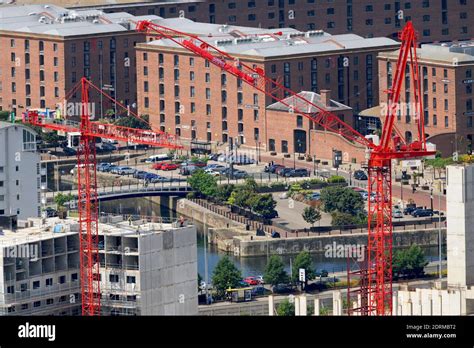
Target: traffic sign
{"type": "Point", "coordinates": [302, 274]}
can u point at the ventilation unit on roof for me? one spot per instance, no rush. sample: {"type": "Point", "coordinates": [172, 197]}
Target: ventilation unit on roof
{"type": "Point", "coordinates": [224, 42]}
{"type": "Point", "coordinates": [32, 14]}
{"type": "Point", "coordinates": [242, 40]}
{"type": "Point", "coordinates": [292, 35]}
{"type": "Point", "coordinates": [312, 33]}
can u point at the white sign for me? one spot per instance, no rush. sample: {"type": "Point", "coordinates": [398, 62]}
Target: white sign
{"type": "Point", "coordinates": [302, 273]}
{"type": "Point", "coordinates": [411, 163]}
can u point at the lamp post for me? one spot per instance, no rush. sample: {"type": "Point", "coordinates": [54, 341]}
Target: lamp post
{"type": "Point", "coordinates": [439, 233]}
{"type": "Point", "coordinates": [431, 197]}
{"type": "Point", "coordinates": [350, 174]}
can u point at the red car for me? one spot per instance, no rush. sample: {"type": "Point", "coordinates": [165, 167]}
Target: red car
{"type": "Point", "coordinates": [200, 164]}
{"type": "Point", "coordinates": [251, 281]}
{"type": "Point", "coordinates": [169, 166]}
{"type": "Point", "coordinates": [158, 166]}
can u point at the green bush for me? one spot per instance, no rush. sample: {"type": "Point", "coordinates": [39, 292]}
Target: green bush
{"type": "Point", "coordinates": [336, 179]}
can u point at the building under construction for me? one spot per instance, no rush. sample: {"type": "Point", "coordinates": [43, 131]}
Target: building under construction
{"type": "Point", "coordinates": [145, 268]}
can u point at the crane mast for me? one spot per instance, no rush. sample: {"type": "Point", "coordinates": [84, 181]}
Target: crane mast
{"type": "Point", "coordinates": [378, 292]}
{"type": "Point", "coordinates": [87, 199]}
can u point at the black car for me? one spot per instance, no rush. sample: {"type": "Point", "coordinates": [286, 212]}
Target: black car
{"type": "Point", "coordinates": [422, 212]}
{"type": "Point", "coordinates": [274, 167]}
{"type": "Point", "coordinates": [409, 210]}
{"type": "Point", "coordinates": [360, 175]}
{"type": "Point", "coordinates": [49, 212]}
{"type": "Point", "coordinates": [68, 151]}
{"type": "Point", "coordinates": [295, 173]}
{"type": "Point", "coordinates": [284, 171]}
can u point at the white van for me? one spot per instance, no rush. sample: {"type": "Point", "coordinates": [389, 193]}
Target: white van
{"type": "Point", "coordinates": [157, 158]}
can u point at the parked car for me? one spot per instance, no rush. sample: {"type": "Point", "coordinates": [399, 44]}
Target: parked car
{"type": "Point", "coordinates": [260, 279]}
{"type": "Point", "coordinates": [104, 166]}
{"type": "Point", "coordinates": [69, 151]}
{"type": "Point", "coordinates": [149, 176]}
{"type": "Point", "coordinates": [158, 179]}
{"type": "Point", "coordinates": [296, 173]}
{"type": "Point", "coordinates": [157, 158]}
{"type": "Point", "coordinates": [274, 167]}
{"type": "Point", "coordinates": [323, 273]}
{"type": "Point", "coordinates": [238, 174]}
{"type": "Point", "coordinates": [214, 156]}
{"type": "Point", "coordinates": [409, 210]}
{"type": "Point", "coordinates": [258, 290]}
{"type": "Point", "coordinates": [213, 166]}
{"type": "Point", "coordinates": [283, 289]}
{"type": "Point", "coordinates": [188, 170]}
{"type": "Point", "coordinates": [251, 281]}
{"type": "Point", "coordinates": [397, 214]}
{"type": "Point", "coordinates": [422, 213]}
{"type": "Point", "coordinates": [157, 166]}
{"type": "Point", "coordinates": [169, 166]}
{"type": "Point", "coordinates": [139, 174]}
{"type": "Point", "coordinates": [284, 171]}
{"type": "Point", "coordinates": [125, 171]}
{"type": "Point", "coordinates": [108, 147]}
{"type": "Point", "coordinates": [360, 175]}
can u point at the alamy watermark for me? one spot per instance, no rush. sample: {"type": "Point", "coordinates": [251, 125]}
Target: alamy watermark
{"type": "Point", "coordinates": [25, 251]}
{"type": "Point", "coordinates": [344, 251]}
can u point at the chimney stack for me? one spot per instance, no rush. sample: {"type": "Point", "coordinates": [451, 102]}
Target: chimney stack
{"type": "Point", "coordinates": [326, 97]}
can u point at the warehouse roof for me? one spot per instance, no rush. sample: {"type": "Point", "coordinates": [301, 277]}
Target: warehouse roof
{"type": "Point", "coordinates": [58, 21]}
{"type": "Point", "coordinates": [237, 40]}
{"type": "Point", "coordinates": [447, 52]}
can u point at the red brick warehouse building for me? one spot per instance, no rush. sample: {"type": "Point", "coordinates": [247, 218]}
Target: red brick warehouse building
{"type": "Point", "coordinates": [184, 94]}
{"type": "Point", "coordinates": [47, 49]}
{"type": "Point", "coordinates": [436, 20]}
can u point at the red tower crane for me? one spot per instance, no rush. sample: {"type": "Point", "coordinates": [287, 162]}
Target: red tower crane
{"type": "Point", "coordinates": [392, 145]}
{"type": "Point", "coordinates": [87, 199]}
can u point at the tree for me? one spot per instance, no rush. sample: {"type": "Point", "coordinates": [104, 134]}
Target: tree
{"type": "Point", "coordinates": [250, 184]}
{"type": "Point", "coordinates": [410, 262]}
{"type": "Point", "coordinates": [342, 199]}
{"type": "Point", "coordinates": [263, 205]}
{"type": "Point", "coordinates": [60, 199]}
{"type": "Point", "coordinates": [286, 309]}
{"type": "Point", "coordinates": [133, 122]}
{"type": "Point", "coordinates": [275, 273]}
{"type": "Point", "coordinates": [343, 219]}
{"type": "Point", "coordinates": [311, 215]}
{"type": "Point", "coordinates": [303, 260]}
{"type": "Point", "coordinates": [225, 276]}
{"type": "Point", "coordinates": [240, 197]}
{"type": "Point", "coordinates": [203, 183]}
{"type": "Point", "coordinates": [224, 192]}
